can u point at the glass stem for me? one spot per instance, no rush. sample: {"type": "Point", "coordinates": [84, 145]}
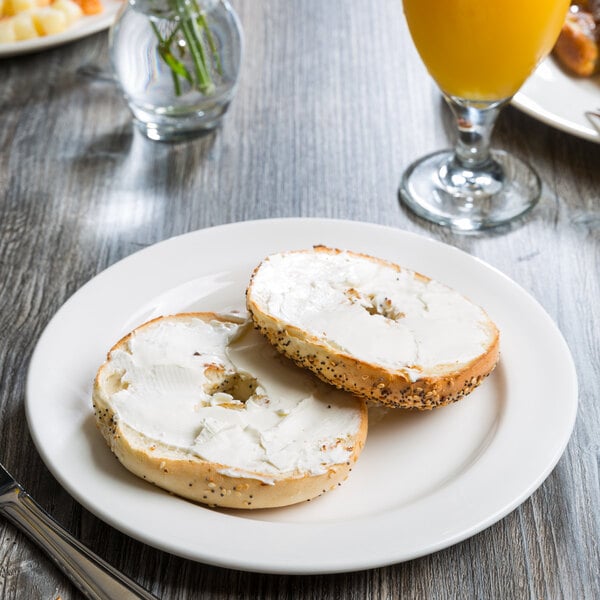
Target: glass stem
{"type": "Point", "coordinates": [475, 125]}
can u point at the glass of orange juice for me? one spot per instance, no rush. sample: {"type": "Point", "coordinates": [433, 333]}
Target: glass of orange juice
{"type": "Point", "coordinates": [479, 52]}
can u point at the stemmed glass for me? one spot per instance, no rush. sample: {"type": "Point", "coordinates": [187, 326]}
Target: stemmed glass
{"type": "Point", "coordinates": [479, 52]}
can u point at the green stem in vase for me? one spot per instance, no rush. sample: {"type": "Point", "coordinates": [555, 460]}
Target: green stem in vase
{"type": "Point", "coordinates": [178, 69]}
{"type": "Point", "coordinates": [194, 40]}
{"type": "Point", "coordinates": [207, 83]}
{"type": "Point", "coordinates": [211, 39]}
{"type": "Point", "coordinates": [193, 26]}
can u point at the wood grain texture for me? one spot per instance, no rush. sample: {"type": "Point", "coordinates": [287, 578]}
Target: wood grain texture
{"type": "Point", "coordinates": [333, 104]}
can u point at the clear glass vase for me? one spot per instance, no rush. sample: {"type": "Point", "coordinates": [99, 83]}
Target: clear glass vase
{"type": "Point", "coordinates": [177, 63]}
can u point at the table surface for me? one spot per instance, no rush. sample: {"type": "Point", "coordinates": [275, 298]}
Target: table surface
{"type": "Point", "coordinates": [332, 105]}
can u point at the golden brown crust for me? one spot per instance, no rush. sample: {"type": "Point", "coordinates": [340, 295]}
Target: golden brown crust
{"type": "Point", "coordinates": [202, 481]}
{"type": "Point", "coordinates": [199, 480]}
{"type": "Point", "coordinates": [368, 380]}
{"type": "Point", "coordinates": [577, 44]}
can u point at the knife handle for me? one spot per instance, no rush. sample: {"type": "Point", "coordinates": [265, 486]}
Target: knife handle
{"type": "Point", "coordinates": [94, 577]}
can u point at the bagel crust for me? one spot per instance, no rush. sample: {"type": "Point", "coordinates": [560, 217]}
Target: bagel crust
{"type": "Point", "coordinates": [406, 385]}
{"type": "Point", "coordinates": [183, 471]}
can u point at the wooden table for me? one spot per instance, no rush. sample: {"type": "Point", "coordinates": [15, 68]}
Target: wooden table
{"type": "Point", "coordinates": [333, 104]}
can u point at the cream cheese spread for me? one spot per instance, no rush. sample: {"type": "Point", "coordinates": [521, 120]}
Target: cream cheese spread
{"type": "Point", "coordinates": [220, 391]}
{"type": "Point", "coordinates": [372, 311]}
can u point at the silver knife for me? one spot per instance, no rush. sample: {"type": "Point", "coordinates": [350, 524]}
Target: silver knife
{"type": "Point", "coordinates": [96, 579]}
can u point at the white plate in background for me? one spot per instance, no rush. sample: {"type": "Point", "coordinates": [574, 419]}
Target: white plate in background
{"type": "Point", "coordinates": [424, 481]}
{"type": "Point", "coordinates": [86, 25]}
{"type": "Point", "coordinates": [561, 100]}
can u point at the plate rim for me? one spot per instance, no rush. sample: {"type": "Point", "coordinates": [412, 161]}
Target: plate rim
{"type": "Point", "coordinates": [524, 102]}
{"type": "Point", "coordinates": [309, 567]}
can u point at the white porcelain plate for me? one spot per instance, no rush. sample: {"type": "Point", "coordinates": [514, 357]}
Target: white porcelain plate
{"type": "Point", "coordinates": [561, 100]}
{"type": "Point", "coordinates": [424, 481]}
{"type": "Point", "coordinates": [80, 29]}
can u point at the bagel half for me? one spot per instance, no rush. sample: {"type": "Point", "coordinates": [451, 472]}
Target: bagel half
{"type": "Point", "coordinates": [373, 328]}
{"type": "Point", "coordinates": [202, 406]}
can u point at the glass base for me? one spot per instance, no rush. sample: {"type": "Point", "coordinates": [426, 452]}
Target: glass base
{"type": "Point", "coordinates": [180, 127]}
{"type": "Point", "coordinates": [440, 190]}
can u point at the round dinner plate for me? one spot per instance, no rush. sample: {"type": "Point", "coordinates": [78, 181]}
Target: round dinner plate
{"type": "Point", "coordinates": [424, 481]}
{"type": "Point", "coordinates": [80, 29]}
{"type": "Point", "coordinates": [561, 100]}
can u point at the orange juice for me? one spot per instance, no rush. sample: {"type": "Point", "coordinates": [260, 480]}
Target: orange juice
{"type": "Point", "coordinates": [483, 50]}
